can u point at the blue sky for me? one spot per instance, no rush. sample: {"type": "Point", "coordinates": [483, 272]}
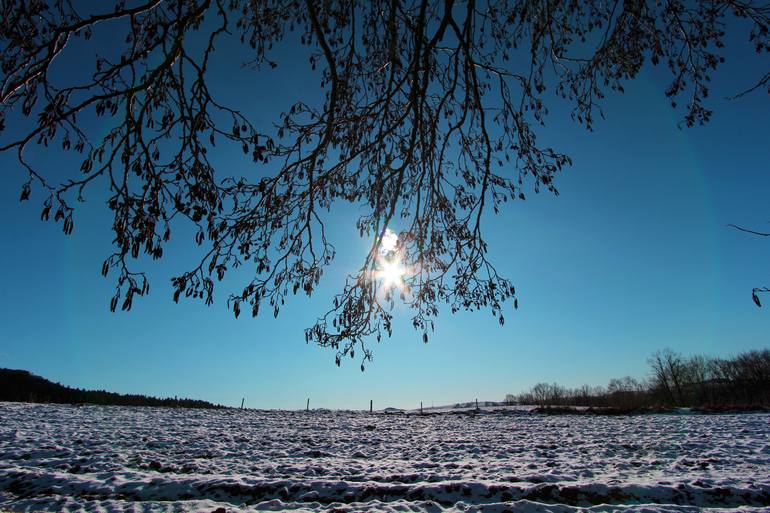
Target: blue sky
{"type": "Point", "coordinates": [633, 256]}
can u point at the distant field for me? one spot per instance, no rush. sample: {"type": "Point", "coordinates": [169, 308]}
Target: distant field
{"type": "Point", "coordinates": [119, 459]}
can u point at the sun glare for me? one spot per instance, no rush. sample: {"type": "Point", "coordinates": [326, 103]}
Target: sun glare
{"type": "Point", "coordinates": [389, 241]}
{"type": "Point", "coordinates": [391, 273]}
{"type": "Point", "coordinates": [390, 268]}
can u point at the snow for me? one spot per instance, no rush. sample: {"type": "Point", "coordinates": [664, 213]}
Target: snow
{"type": "Point", "coordinates": [119, 459]}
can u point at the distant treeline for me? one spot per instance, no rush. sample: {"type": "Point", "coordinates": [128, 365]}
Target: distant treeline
{"type": "Point", "coordinates": [741, 383]}
{"type": "Point", "coordinates": [23, 386]}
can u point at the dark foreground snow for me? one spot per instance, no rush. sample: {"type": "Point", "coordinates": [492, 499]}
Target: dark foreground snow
{"type": "Point", "coordinates": [116, 459]}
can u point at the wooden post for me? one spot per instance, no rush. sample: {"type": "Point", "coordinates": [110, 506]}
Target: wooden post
{"type": "Point", "coordinates": [307, 408]}
{"type": "Point", "coordinates": [242, 400]}
{"type": "Point", "coordinates": [420, 407]}
{"type": "Point", "coordinates": [371, 405]}
{"type": "Point", "coordinates": [477, 403]}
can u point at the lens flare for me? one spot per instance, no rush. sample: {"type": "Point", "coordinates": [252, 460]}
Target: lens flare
{"type": "Point", "coordinates": [390, 268]}
{"type": "Point", "coordinates": [389, 241]}
{"type": "Point", "coordinates": [391, 273]}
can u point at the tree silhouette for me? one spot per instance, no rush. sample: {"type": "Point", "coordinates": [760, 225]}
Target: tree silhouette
{"type": "Point", "coordinates": [429, 116]}
{"type": "Point", "coordinates": [756, 291]}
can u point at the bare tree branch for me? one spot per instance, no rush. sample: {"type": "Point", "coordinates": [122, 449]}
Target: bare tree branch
{"type": "Point", "coordinates": [428, 123]}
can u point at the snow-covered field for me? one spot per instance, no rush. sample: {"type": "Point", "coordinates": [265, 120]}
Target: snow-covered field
{"type": "Point", "coordinates": [114, 459]}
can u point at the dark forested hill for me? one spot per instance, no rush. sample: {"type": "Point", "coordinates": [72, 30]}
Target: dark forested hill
{"type": "Point", "coordinates": [23, 386]}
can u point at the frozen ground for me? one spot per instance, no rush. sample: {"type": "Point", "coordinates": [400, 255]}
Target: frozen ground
{"type": "Point", "coordinates": [115, 459]}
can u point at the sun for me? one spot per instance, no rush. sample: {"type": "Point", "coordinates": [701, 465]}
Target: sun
{"type": "Point", "coordinates": [390, 268]}
{"type": "Point", "coordinates": [391, 273]}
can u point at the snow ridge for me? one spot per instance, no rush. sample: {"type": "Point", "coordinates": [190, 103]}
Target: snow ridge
{"type": "Point", "coordinates": [118, 459]}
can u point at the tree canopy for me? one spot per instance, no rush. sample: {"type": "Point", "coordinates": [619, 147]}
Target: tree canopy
{"type": "Point", "coordinates": [429, 116]}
